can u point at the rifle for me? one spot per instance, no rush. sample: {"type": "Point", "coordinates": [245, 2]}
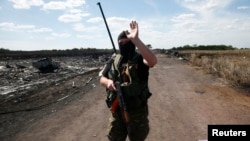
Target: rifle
{"type": "Point", "coordinates": [120, 100]}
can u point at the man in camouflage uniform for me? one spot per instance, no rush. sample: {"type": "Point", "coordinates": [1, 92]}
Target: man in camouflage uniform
{"type": "Point", "coordinates": [131, 70]}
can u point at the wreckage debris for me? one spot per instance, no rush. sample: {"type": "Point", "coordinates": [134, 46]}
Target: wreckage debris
{"type": "Point", "coordinates": [18, 77]}
{"type": "Point", "coordinates": [19, 66]}
{"type": "Point", "coordinates": [46, 65]}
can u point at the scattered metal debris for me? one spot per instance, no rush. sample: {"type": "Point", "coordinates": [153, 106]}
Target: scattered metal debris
{"type": "Point", "coordinates": [18, 80]}
{"type": "Point", "coordinates": [46, 65]}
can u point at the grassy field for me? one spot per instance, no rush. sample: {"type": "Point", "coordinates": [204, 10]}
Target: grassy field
{"type": "Point", "coordinates": [233, 65]}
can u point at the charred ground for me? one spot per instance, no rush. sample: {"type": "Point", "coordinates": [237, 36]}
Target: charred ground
{"type": "Point", "coordinates": [69, 103]}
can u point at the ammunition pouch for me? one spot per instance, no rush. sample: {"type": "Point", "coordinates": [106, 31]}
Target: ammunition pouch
{"type": "Point", "coordinates": [137, 95]}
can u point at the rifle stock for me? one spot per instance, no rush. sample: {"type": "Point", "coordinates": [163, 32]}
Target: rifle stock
{"type": "Point", "coordinates": [114, 105]}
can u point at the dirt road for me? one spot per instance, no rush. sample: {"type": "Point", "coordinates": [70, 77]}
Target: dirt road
{"type": "Point", "coordinates": [184, 102]}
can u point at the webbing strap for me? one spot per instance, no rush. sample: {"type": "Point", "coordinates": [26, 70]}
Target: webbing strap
{"type": "Point", "coordinates": [116, 63]}
{"type": "Point", "coordinates": [127, 73]}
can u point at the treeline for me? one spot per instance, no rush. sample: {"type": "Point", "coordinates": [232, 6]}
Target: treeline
{"type": "Point", "coordinates": [5, 53]}
{"type": "Point", "coordinates": [204, 47]}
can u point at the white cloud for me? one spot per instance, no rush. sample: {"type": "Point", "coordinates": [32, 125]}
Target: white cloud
{"type": "Point", "coordinates": [61, 35]}
{"type": "Point", "coordinates": [243, 7]}
{"type": "Point", "coordinates": [113, 22]}
{"type": "Point", "coordinates": [194, 27]}
{"type": "Point", "coordinates": [203, 22]}
{"type": "Point", "coordinates": [54, 5]}
{"type": "Point", "coordinates": [188, 23]}
{"type": "Point", "coordinates": [205, 19]}
{"type": "Point", "coordinates": [79, 27]}
{"type": "Point", "coordinates": [75, 3]}
{"type": "Point", "coordinates": [73, 15]}
{"type": "Point", "coordinates": [119, 20]}
{"type": "Point", "coordinates": [95, 20]}
{"type": "Point", "coordinates": [223, 31]}
{"type": "Point", "coordinates": [204, 6]}
{"type": "Point", "coordinates": [86, 37]}
{"type": "Point", "coordinates": [117, 24]}
{"type": "Point", "coordinates": [190, 0]}
{"type": "Point", "coordinates": [61, 5]}
{"type": "Point", "coordinates": [183, 17]}
{"type": "Point", "coordinates": [51, 5]}
{"type": "Point", "coordinates": [26, 4]}
{"type": "Point", "coordinates": [23, 28]}
{"type": "Point", "coordinates": [75, 11]}
{"type": "Point", "coordinates": [14, 27]}
{"type": "Point", "coordinates": [40, 30]}
{"type": "Point", "coordinates": [54, 36]}
{"type": "Point", "coordinates": [49, 38]}
{"type": "Point", "coordinates": [67, 18]}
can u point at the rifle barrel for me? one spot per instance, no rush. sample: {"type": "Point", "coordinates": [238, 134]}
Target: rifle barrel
{"type": "Point", "coordinates": [107, 27]}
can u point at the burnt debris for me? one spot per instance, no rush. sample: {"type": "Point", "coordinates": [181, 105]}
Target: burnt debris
{"type": "Point", "coordinates": [46, 65]}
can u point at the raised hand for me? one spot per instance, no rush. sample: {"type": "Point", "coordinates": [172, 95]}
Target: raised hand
{"type": "Point", "coordinates": [134, 31]}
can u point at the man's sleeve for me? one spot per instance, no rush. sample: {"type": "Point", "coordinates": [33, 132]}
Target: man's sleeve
{"type": "Point", "coordinates": [106, 68]}
{"type": "Point", "coordinates": [104, 71]}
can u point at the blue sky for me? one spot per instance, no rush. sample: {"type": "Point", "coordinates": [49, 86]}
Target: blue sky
{"type": "Point", "coordinates": [68, 24]}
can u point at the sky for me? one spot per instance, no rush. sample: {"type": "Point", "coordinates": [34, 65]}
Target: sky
{"type": "Point", "coordinates": [69, 24]}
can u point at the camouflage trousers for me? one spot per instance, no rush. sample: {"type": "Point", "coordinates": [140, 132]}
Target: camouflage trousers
{"type": "Point", "coordinates": [137, 129]}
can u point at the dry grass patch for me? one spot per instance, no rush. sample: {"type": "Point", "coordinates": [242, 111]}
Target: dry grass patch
{"type": "Point", "coordinates": [233, 65]}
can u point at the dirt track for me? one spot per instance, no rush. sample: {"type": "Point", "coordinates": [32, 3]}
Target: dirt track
{"type": "Point", "coordinates": [184, 102]}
